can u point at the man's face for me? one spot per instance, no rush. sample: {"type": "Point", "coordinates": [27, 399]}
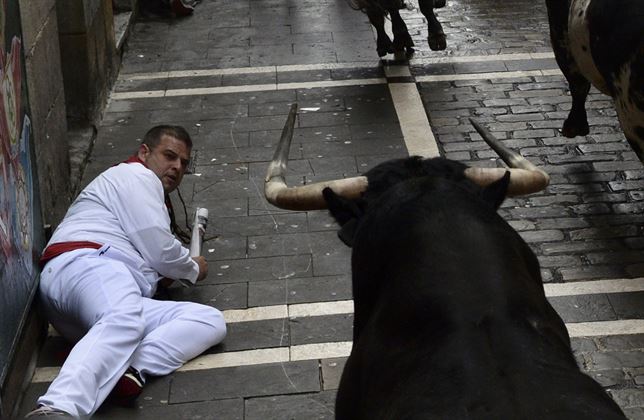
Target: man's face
{"type": "Point", "coordinates": [168, 160]}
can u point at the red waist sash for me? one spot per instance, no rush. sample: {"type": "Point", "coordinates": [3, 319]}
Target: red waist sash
{"type": "Point", "coordinates": [54, 250]}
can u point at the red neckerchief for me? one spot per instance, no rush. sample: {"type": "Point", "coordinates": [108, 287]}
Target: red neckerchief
{"type": "Point", "coordinates": [133, 159]}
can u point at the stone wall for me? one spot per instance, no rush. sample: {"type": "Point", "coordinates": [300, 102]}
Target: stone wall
{"type": "Point", "coordinates": [89, 56]}
{"type": "Point", "coordinates": [47, 101]}
{"type": "Point", "coordinates": [71, 62]}
{"type": "Point", "coordinates": [46, 109]}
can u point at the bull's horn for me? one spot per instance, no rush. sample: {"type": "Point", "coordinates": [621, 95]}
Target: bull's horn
{"type": "Point", "coordinates": [304, 197]}
{"type": "Point", "coordinates": [525, 178]}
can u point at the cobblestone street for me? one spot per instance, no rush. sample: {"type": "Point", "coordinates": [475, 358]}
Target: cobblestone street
{"type": "Point", "coordinates": [229, 74]}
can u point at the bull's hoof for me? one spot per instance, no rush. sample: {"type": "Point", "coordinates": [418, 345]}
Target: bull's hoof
{"type": "Point", "coordinates": [400, 56]}
{"type": "Point", "coordinates": [572, 129]}
{"type": "Point", "coordinates": [437, 42]}
{"type": "Point", "coordinates": [403, 55]}
{"type": "Point", "coordinates": [439, 3]}
{"type": "Point", "coordinates": [384, 48]}
{"type": "Point", "coordinates": [402, 42]}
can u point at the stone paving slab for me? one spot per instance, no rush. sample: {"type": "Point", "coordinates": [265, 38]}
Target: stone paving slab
{"type": "Point", "coordinates": [246, 381]}
{"type": "Point", "coordinates": [232, 409]}
{"type": "Point", "coordinates": [321, 329]}
{"type": "Point", "coordinates": [220, 296]}
{"type": "Point", "coordinates": [258, 269]}
{"type": "Point", "coordinates": [255, 335]}
{"type": "Point", "coordinates": [305, 406]}
{"type": "Point", "coordinates": [294, 290]}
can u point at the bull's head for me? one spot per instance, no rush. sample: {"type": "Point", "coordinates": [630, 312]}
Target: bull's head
{"type": "Point", "coordinates": [348, 197]}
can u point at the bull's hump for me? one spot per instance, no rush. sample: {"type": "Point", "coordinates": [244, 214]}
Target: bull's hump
{"type": "Point", "coordinates": [579, 41]}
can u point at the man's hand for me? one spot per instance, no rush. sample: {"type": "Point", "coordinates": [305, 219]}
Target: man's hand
{"type": "Point", "coordinates": [203, 267]}
{"type": "Point", "coordinates": [165, 282]}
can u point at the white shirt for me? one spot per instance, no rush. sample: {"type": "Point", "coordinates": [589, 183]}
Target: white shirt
{"type": "Point", "coordinates": [124, 207]}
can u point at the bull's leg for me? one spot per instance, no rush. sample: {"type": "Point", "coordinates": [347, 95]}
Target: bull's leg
{"type": "Point", "coordinates": [383, 42]}
{"type": "Point", "coordinates": [402, 39]}
{"type": "Point", "coordinates": [439, 3]}
{"type": "Point", "coordinates": [435, 37]}
{"type": "Point", "coordinates": [577, 122]}
{"type": "Point", "coordinates": [348, 396]}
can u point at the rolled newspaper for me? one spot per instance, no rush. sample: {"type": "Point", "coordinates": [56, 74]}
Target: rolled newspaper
{"type": "Point", "coordinates": [198, 232]}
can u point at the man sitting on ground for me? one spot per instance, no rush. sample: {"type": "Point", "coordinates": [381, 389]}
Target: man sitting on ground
{"type": "Point", "coordinates": [102, 266]}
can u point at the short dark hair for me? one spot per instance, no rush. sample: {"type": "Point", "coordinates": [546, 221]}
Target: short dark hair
{"type": "Point", "coordinates": [153, 136]}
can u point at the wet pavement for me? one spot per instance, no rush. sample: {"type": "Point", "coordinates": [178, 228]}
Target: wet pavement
{"type": "Point", "coordinates": [229, 74]}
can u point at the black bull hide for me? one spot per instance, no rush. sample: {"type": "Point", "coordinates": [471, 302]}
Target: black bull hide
{"type": "Point", "coordinates": [451, 319]}
{"type": "Point", "coordinates": [377, 10]}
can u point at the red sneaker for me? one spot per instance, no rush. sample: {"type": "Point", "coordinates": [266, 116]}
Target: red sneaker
{"type": "Point", "coordinates": [179, 8]}
{"type": "Point", "coordinates": [128, 388]}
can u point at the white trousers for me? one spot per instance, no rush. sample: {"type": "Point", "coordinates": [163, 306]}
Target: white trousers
{"type": "Point", "coordinates": [94, 300]}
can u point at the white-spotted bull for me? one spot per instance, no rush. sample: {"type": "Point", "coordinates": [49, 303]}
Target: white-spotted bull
{"type": "Point", "coordinates": [377, 10]}
{"type": "Point", "coordinates": [451, 320]}
{"type": "Point", "coordinates": [602, 42]}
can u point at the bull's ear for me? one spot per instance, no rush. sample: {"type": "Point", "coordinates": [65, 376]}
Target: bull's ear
{"type": "Point", "coordinates": [345, 212]}
{"type": "Point", "coordinates": [495, 193]}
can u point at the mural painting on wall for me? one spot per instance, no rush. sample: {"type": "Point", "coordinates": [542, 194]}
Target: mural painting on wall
{"type": "Point", "coordinates": [16, 187]}
{"type": "Point", "coordinates": [17, 273]}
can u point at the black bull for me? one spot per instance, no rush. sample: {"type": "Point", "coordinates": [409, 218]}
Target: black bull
{"type": "Point", "coordinates": [377, 10]}
{"type": "Point", "coordinates": [602, 42]}
{"type": "Point", "coordinates": [451, 319]}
